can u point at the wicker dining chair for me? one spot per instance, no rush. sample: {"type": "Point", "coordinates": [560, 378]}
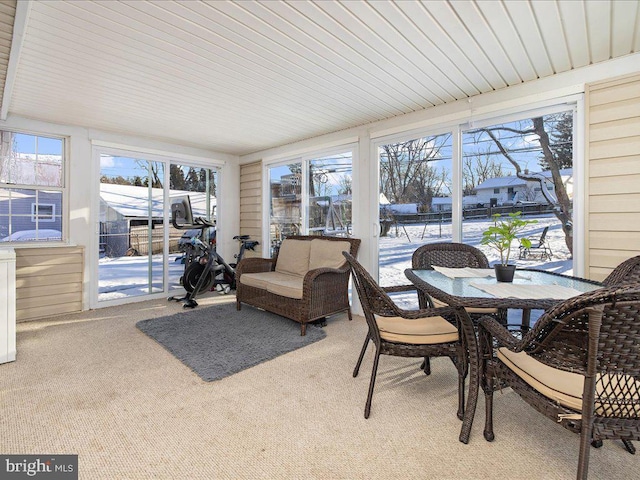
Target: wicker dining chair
{"type": "Point", "coordinates": [408, 333]}
{"type": "Point", "coordinates": [452, 255]}
{"type": "Point", "coordinates": [627, 272]}
{"type": "Point", "coordinates": [579, 365]}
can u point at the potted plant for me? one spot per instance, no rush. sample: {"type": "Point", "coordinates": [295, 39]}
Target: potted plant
{"type": "Point", "coordinates": [499, 237]}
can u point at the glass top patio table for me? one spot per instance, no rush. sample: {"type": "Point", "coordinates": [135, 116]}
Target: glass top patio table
{"type": "Point", "coordinates": [467, 291]}
{"type": "Point", "coordinates": [464, 291]}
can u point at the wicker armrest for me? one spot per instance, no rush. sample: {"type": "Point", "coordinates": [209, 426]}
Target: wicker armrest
{"type": "Point", "coordinates": [498, 332]}
{"type": "Point", "coordinates": [446, 312]}
{"type": "Point", "coordinates": [400, 288]}
{"type": "Point", "coordinates": [255, 265]}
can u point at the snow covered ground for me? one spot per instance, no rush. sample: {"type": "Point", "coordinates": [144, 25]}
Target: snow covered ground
{"type": "Point", "coordinates": [396, 250]}
{"type": "Point", "coordinates": [128, 276]}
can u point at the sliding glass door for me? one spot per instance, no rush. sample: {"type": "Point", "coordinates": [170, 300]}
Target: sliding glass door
{"type": "Point", "coordinates": [131, 236]}
{"type": "Point", "coordinates": [311, 196]}
{"type": "Point", "coordinates": [140, 254]}
{"type": "Point", "coordinates": [416, 201]}
{"type": "Point", "coordinates": [522, 166]}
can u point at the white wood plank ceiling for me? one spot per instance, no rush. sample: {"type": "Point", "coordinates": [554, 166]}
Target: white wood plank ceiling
{"type": "Point", "coordinates": [241, 76]}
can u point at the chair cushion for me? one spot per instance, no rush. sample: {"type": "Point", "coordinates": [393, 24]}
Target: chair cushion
{"type": "Point", "coordinates": [257, 280]}
{"type": "Point", "coordinates": [488, 311]}
{"type": "Point", "coordinates": [565, 387]}
{"type": "Point", "coordinates": [327, 253]}
{"type": "Point", "coordinates": [558, 385]}
{"type": "Point", "coordinates": [420, 331]}
{"type": "Point", "coordinates": [293, 257]}
{"type": "Point", "coordinates": [285, 285]}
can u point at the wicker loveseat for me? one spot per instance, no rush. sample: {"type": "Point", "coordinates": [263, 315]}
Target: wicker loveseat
{"type": "Point", "coordinates": [307, 280]}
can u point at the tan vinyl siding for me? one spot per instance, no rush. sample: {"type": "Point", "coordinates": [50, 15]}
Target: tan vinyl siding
{"type": "Point", "coordinates": [613, 155]}
{"type": "Point", "coordinates": [7, 16]}
{"type": "Point", "coordinates": [251, 202]}
{"type": "Point", "coordinates": [48, 281]}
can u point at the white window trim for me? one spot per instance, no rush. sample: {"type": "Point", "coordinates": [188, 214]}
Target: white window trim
{"type": "Point", "coordinates": [38, 218]}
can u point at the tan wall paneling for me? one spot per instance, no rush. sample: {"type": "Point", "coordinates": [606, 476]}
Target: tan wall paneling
{"type": "Point", "coordinates": [7, 15]}
{"type": "Point", "coordinates": [613, 155]}
{"type": "Point", "coordinates": [251, 202]}
{"type": "Point", "coordinates": [622, 166]}
{"type": "Point", "coordinates": [48, 281]}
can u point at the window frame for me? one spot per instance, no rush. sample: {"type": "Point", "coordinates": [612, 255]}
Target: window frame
{"type": "Point", "coordinates": [36, 189]}
{"type": "Point", "coordinates": [36, 216]}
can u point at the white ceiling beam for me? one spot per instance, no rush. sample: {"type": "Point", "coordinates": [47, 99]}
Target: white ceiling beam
{"type": "Point", "coordinates": [23, 7]}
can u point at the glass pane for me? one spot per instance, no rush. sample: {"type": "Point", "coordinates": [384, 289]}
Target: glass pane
{"type": "Point", "coordinates": [199, 185]}
{"type": "Point", "coordinates": [49, 166]}
{"type": "Point", "coordinates": [329, 211]}
{"type": "Point", "coordinates": [523, 166]}
{"type": "Point", "coordinates": [415, 201]}
{"type": "Point", "coordinates": [285, 183]}
{"type": "Point", "coordinates": [5, 211]}
{"type": "Point", "coordinates": [8, 156]}
{"type": "Point", "coordinates": [30, 160]}
{"type": "Point", "coordinates": [131, 219]}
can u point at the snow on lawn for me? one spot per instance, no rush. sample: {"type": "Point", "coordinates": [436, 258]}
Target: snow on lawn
{"type": "Point", "coordinates": [128, 276]}
{"type": "Point", "coordinates": [396, 249]}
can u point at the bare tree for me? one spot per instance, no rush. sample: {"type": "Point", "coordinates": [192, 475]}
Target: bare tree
{"type": "Point", "coordinates": [405, 173]}
{"type": "Point", "coordinates": [561, 202]}
{"type": "Point", "coordinates": [477, 168]}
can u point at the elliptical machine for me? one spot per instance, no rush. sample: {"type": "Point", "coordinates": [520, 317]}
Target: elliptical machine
{"type": "Point", "coordinates": [204, 268]}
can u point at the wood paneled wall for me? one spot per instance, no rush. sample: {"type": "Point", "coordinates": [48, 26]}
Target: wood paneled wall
{"type": "Point", "coordinates": [251, 202]}
{"type": "Point", "coordinates": [613, 154]}
{"type": "Point", "coordinates": [48, 281]}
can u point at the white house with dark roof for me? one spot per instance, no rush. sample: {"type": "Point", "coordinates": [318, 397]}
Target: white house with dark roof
{"type": "Point", "coordinates": [511, 189]}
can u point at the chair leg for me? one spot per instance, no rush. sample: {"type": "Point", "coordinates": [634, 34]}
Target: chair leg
{"type": "Point", "coordinates": [303, 329]}
{"type": "Point", "coordinates": [488, 405]}
{"type": "Point", "coordinates": [629, 446]}
{"type": "Point", "coordinates": [372, 382]}
{"type": "Point", "coordinates": [359, 362]}
{"type": "Point", "coordinates": [349, 314]}
{"type": "Point", "coordinates": [461, 382]}
{"type": "Point", "coordinates": [585, 449]}
{"type": "Point", "coordinates": [426, 366]}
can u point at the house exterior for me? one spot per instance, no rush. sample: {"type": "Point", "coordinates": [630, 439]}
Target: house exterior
{"type": "Point", "coordinates": [124, 217]}
{"type": "Point", "coordinates": [511, 189]}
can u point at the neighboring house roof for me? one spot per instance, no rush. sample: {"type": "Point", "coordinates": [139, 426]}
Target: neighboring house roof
{"type": "Point", "coordinates": [131, 201]}
{"type": "Point", "coordinates": [513, 181]}
{"type": "Point", "coordinates": [467, 200]}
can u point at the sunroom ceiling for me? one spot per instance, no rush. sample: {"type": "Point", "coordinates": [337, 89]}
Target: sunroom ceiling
{"type": "Point", "coordinates": [241, 76]}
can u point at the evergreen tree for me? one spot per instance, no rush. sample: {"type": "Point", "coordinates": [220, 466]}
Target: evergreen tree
{"type": "Point", "coordinates": [561, 140]}
{"type": "Point", "coordinates": [176, 178]}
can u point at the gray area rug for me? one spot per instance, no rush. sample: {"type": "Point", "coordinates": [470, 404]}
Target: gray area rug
{"type": "Point", "coordinates": [218, 341]}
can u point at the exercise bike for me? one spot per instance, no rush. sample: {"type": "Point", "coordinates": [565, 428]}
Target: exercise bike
{"type": "Point", "coordinates": [204, 268]}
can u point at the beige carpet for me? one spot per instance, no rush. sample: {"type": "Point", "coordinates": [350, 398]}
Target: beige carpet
{"type": "Point", "coordinates": [92, 384]}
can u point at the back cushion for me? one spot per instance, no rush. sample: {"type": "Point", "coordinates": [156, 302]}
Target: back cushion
{"type": "Point", "coordinates": [327, 253]}
{"type": "Point", "coordinates": [293, 257]}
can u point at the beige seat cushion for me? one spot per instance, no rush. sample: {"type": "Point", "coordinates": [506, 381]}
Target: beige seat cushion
{"type": "Point", "coordinates": [565, 387]}
{"type": "Point", "coordinates": [293, 257]}
{"type": "Point", "coordinates": [257, 280]}
{"type": "Point", "coordinates": [421, 331]}
{"type": "Point", "coordinates": [558, 385]}
{"type": "Point", "coordinates": [327, 253]}
{"type": "Point", "coordinates": [487, 311]}
{"type": "Point", "coordinates": [285, 285]}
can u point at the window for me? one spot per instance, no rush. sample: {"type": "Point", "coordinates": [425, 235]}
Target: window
{"type": "Point", "coordinates": [310, 195]}
{"type": "Point", "coordinates": [43, 212]}
{"type": "Point", "coordinates": [31, 187]}
{"type": "Point", "coordinates": [496, 190]}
